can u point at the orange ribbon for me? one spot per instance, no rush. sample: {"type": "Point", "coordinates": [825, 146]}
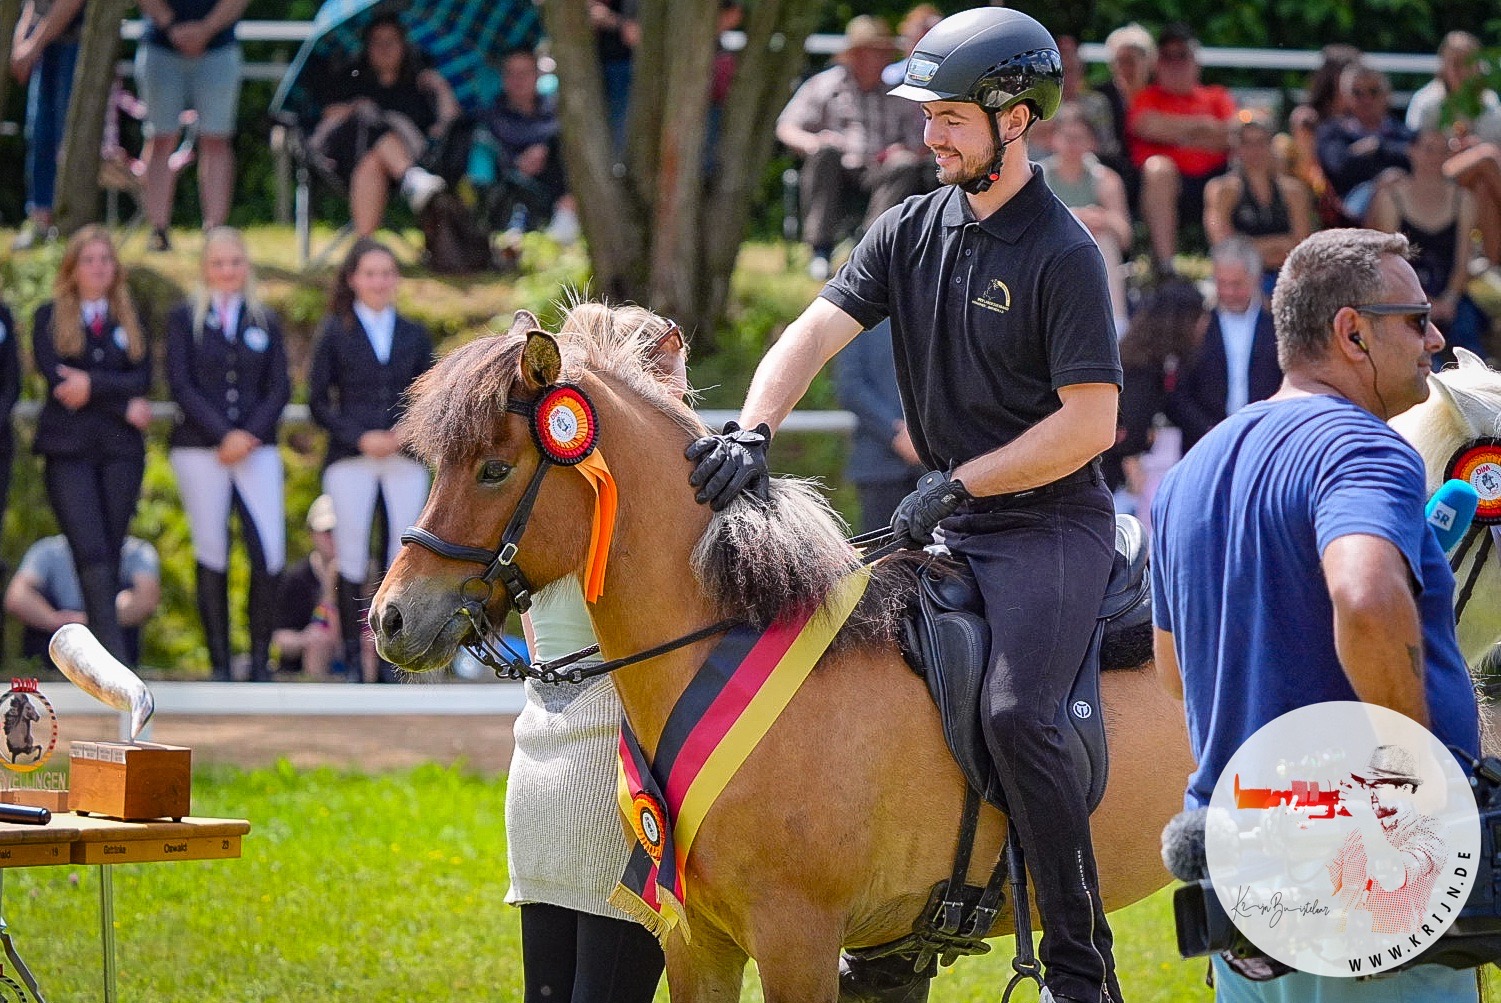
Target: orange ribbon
{"type": "Point", "coordinates": [597, 473]}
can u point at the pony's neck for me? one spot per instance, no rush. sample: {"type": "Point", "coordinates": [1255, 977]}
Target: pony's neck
{"type": "Point", "coordinates": [650, 595]}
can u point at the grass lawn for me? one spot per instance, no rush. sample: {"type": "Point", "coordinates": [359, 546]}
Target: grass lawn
{"type": "Point", "coordinates": [355, 888]}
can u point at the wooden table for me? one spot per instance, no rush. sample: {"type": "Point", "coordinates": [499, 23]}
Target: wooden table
{"type": "Point", "coordinates": [83, 839]}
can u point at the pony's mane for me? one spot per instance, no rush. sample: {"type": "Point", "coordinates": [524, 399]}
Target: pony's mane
{"type": "Point", "coordinates": [456, 408]}
{"type": "Point", "coordinates": [754, 561]}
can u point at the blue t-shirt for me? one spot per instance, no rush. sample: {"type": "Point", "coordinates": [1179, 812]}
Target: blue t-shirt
{"type": "Point", "coordinates": [1241, 524]}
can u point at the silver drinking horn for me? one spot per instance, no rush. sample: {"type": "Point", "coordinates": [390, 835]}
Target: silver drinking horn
{"type": "Point", "coordinates": [94, 670]}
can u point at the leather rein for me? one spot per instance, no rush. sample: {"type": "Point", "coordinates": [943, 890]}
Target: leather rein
{"type": "Point", "coordinates": [489, 646]}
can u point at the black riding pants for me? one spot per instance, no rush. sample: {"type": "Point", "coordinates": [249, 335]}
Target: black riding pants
{"type": "Point", "coordinates": [577, 957]}
{"type": "Point", "coordinates": [1042, 564]}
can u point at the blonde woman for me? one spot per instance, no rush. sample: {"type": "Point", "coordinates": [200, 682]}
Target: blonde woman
{"type": "Point", "coordinates": [227, 368]}
{"type": "Point", "coordinates": [89, 347]}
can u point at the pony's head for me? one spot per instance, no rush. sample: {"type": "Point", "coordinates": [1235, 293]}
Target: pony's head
{"type": "Point", "coordinates": [471, 418]}
{"type": "Point", "coordinates": [1464, 404]}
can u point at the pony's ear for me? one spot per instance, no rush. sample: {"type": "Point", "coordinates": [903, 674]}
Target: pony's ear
{"type": "Point", "coordinates": [524, 323]}
{"type": "Point", "coordinates": [541, 361]}
{"type": "Point", "coordinates": [1468, 359]}
{"type": "Point", "coordinates": [1472, 412]}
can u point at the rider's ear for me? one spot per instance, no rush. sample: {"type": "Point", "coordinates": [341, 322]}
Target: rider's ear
{"type": "Point", "coordinates": [541, 362]}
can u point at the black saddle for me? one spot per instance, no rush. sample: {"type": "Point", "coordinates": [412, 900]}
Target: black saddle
{"type": "Point", "coordinates": [947, 642]}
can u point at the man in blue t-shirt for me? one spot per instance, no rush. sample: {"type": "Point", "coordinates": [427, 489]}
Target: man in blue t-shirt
{"type": "Point", "coordinates": [1292, 562]}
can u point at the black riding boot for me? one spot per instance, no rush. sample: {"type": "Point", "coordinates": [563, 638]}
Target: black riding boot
{"type": "Point", "coordinates": [351, 627]}
{"type": "Point", "coordinates": [213, 611]}
{"type": "Point", "coordinates": [101, 584]}
{"type": "Point", "coordinates": [263, 588]}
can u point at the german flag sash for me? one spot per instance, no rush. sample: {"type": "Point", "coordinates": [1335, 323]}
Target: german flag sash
{"type": "Point", "coordinates": [733, 700]}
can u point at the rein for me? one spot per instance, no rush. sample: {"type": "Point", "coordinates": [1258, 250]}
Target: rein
{"type": "Point", "coordinates": [1488, 535]}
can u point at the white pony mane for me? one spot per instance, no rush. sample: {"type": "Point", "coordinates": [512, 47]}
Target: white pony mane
{"type": "Point", "coordinates": [1465, 404]}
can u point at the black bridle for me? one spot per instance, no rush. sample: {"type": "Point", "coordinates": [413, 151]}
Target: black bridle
{"type": "Point", "coordinates": [489, 646]}
{"type": "Point", "coordinates": [1487, 536]}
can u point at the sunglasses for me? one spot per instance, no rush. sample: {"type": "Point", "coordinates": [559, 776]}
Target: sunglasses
{"type": "Point", "coordinates": [1419, 311]}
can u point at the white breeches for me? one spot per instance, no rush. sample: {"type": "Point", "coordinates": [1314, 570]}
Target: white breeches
{"type": "Point", "coordinates": [352, 483]}
{"type": "Point", "coordinates": [207, 488]}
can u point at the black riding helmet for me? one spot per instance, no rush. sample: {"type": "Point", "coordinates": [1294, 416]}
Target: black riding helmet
{"type": "Point", "coordinates": [996, 58]}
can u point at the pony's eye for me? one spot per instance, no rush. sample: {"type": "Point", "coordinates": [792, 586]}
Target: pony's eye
{"type": "Point", "coordinates": [494, 471]}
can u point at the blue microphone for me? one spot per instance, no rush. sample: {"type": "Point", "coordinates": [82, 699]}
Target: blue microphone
{"type": "Point", "coordinates": [1450, 511]}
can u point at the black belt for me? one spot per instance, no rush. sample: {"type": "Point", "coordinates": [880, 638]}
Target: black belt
{"type": "Point", "coordinates": [1087, 474]}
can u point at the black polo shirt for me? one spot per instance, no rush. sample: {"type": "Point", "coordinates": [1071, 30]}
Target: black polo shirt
{"type": "Point", "coordinates": [988, 318]}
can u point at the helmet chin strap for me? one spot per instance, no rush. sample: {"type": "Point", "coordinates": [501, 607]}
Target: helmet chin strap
{"type": "Point", "coordinates": [975, 186]}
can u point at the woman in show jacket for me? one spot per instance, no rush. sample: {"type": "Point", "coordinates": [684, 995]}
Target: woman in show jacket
{"type": "Point", "coordinates": [227, 368]}
{"type": "Point", "coordinates": [90, 347]}
{"type": "Point", "coordinates": [365, 359]}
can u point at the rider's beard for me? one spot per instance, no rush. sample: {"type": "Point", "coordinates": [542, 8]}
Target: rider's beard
{"type": "Point", "coordinates": [971, 165]}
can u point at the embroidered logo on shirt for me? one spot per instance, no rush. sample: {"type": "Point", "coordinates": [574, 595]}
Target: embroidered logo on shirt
{"type": "Point", "coordinates": [996, 297]}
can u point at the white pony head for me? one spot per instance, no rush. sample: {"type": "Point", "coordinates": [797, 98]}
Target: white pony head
{"type": "Point", "coordinates": [1464, 404]}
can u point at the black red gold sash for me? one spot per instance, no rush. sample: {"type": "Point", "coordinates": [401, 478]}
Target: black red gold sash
{"type": "Point", "coordinates": [727, 709]}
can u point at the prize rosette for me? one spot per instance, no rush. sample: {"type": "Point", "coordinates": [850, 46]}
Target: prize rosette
{"type": "Point", "coordinates": [564, 425]}
{"type": "Point", "coordinates": [1478, 464]}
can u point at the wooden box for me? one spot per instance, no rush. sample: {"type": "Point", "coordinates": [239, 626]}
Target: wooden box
{"type": "Point", "coordinates": [53, 801]}
{"type": "Point", "coordinates": [132, 782]}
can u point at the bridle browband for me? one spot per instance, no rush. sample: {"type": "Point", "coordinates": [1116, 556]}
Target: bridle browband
{"type": "Point", "coordinates": [489, 645]}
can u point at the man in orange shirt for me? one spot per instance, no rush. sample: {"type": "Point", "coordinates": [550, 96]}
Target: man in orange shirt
{"type": "Point", "coordinates": [1178, 131]}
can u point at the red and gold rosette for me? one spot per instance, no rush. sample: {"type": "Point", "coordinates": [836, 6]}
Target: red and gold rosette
{"type": "Point", "coordinates": [564, 425]}
{"type": "Point", "coordinates": [1478, 464]}
{"type": "Point", "coordinates": [650, 824]}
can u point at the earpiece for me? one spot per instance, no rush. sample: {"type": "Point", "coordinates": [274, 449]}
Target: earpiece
{"type": "Point", "coordinates": [1360, 343]}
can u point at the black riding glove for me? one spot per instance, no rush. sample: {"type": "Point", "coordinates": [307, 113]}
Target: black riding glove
{"type": "Point", "coordinates": [729, 463]}
{"type": "Point", "coordinates": [936, 498]}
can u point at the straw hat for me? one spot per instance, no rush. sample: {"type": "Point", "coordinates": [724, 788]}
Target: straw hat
{"type": "Point", "coordinates": [867, 32]}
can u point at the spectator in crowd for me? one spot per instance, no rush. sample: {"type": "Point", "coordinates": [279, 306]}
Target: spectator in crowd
{"type": "Point", "coordinates": [1179, 130]}
{"type": "Point", "coordinates": [856, 140]}
{"type": "Point", "coordinates": [365, 358]}
{"type": "Point", "coordinates": [883, 465]}
{"type": "Point", "coordinates": [914, 25]}
{"type": "Point", "coordinates": [42, 56]}
{"type": "Point", "coordinates": [1133, 59]}
{"type": "Point", "coordinates": [10, 392]}
{"type": "Point", "coordinates": [1324, 103]}
{"type": "Point", "coordinates": [563, 837]}
{"type": "Point", "coordinates": [307, 632]}
{"type": "Point", "coordinates": [1164, 335]}
{"type": "Point", "coordinates": [1366, 146]}
{"type": "Point", "coordinates": [1237, 360]}
{"type": "Point", "coordinates": [227, 369]}
{"type": "Point", "coordinates": [1436, 216]}
{"type": "Point", "coordinates": [1255, 200]}
{"type": "Point", "coordinates": [189, 59]}
{"type": "Point", "coordinates": [616, 33]}
{"type": "Point", "coordinates": [90, 347]}
{"type": "Point", "coordinates": [1458, 102]}
{"type": "Point", "coordinates": [721, 76]}
{"type": "Point", "coordinates": [1292, 564]}
{"type": "Point", "coordinates": [1096, 195]}
{"type": "Point", "coordinates": [45, 594]}
{"type": "Point", "coordinates": [379, 116]}
{"type": "Point", "coordinates": [523, 125]}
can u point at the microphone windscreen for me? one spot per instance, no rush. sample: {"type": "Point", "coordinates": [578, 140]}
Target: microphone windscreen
{"type": "Point", "coordinates": [1451, 510]}
{"type": "Point", "coordinates": [1183, 845]}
